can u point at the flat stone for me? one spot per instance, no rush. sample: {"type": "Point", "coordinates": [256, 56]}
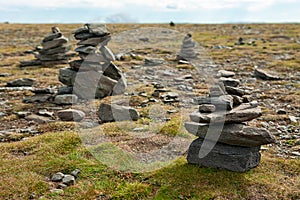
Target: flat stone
{"type": "Point", "coordinates": [66, 99]}
{"type": "Point", "coordinates": [38, 119]}
{"type": "Point", "coordinates": [225, 73]}
{"type": "Point", "coordinates": [223, 156]}
{"type": "Point", "coordinates": [110, 113]}
{"type": "Point", "coordinates": [46, 113]}
{"type": "Point", "coordinates": [86, 49]}
{"type": "Point", "coordinates": [22, 114]}
{"type": "Point", "coordinates": [55, 57]}
{"type": "Point", "coordinates": [107, 53]}
{"type": "Point", "coordinates": [57, 177]}
{"type": "Point", "coordinates": [112, 71]}
{"type": "Point", "coordinates": [229, 82]}
{"type": "Point", "coordinates": [207, 108]}
{"type": "Point", "coordinates": [27, 63]}
{"type": "Point", "coordinates": [57, 191]}
{"type": "Point", "coordinates": [236, 91]}
{"type": "Point", "coordinates": [217, 90]}
{"type": "Point", "coordinates": [61, 186]}
{"type": "Point", "coordinates": [94, 41]}
{"type": "Point", "coordinates": [71, 115]}
{"type": "Point", "coordinates": [52, 36]}
{"type": "Point", "coordinates": [237, 100]}
{"type": "Point", "coordinates": [27, 82]}
{"type": "Point", "coordinates": [54, 43]}
{"type": "Point", "coordinates": [244, 112]}
{"type": "Point", "coordinates": [222, 102]}
{"type": "Point", "coordinates": [68, 180]}
{"type": "Point", "coordinates": [47, 90]}
{"type": "Point", "coordinates": [38, 98]}
{"type": "Point", "coordinates": [153, 61]}
{"type": "Point", "coordinates": [266, 75]}
{"type": "Point", "coordinates": [84, 65]}
{"type": "Point", "coordinates": [5, 74]}
{"type": "Point", "coordinates": [233, 134]}
{"type": "Point", "coordinates": [65, 90]}
{"type": "Point", "coordinates": [97, 29]}
{"type": "Point", "coordinates": [57, 50]}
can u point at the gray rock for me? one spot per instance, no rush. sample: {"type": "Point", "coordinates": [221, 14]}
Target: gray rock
{"type": "Point", "coordinates": [71, 115]}
{"type": "Point", "coordinates": [52, 36]}
{"type": "Point", "coordinates": [38, 98]}
{"type": "Point", "coordinates": [93, 57]}
{"type": "Point", "coordinates": [5, 74]}
{"type": "Point", "coordinates": [27, 63]}
{"type": "Point", "coordinates": [86, 49]}
{"type": "Point", "coordinates": [244, 112]}
{"type": "Point", "coordinates": [97, 29]}
{"type": "Point", "coordinates": [65, 90]}
{"type": "Point", "coordinates": [153, 61]}
{"type": "Point", "coordinates": [47, 90]}
{"type": "Point", "coordinates": [94, 41]}
{"type": "Point", "coordinates": [67, 76]}
{"type": "Point", "coordinates": [83, 65]}
{"type": "Point", "coordinates": [54, 43]}
{"type": "Point", "coordinates": [57, 177]}
{"type": "Point", "coordinates": [107, 53]}
{"type": "Point", "coordinates": [97, 85]}
{"type": "Point", "coordinates": [281, 112]}
{"type": "Point", "coordinates": [221, 102]}
{"type": "Point", "coordinates": [61, 186]}
{"type": "Point", "coordinates": [112, 71]}
{"type": "Point", "coordinates": [225, 73]}
{"type": "Point", "coordinates": [66, 99]}
{"type": "Point", "coordinates": [236, 91]}
{"type": "Point", "coordinates": [229, 82]}
{"type": "Point", "coordinates": [217, 90]}
{"type": "Point", "coordinates": [21, 82]}
{"type": "Point", "coordinates": [223, 156]}
{"type": "Point", "coordinates": [57, 191]}
{"type": "Point", "coordinates": [38, 119]}
{"type": "Point", "coordinates": [237, 100]}
{"type": "Point", "coordinates": [207, 108]}
{"type": "Point", "coordinates": [55, 57]}
{"type": "Point", "coordinates": [75, 173]}
{"type": "Point", "coordinates": [233, 134]}
{"type": "Point", "coordinates": [57, 50]}
{"type": "Point", "coordinates": [266, 75]}
{"type": "Point", "coordinates": [22, 114]}
{"type": "Point", "coordinates": [110, 113]}
{"type": "Point", "coordinates": [68, 180]}
{"type": "Point", "coordinates": [46, 113]}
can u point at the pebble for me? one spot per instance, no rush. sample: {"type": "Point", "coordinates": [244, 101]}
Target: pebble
{"type": "Point", "coordinates": [75, 173]}
{"type": "Point", "coordinates": [57, 191]}
{"type": "Point", "coordinates": [57, 177]}
{"type": "Point", "coordinates": [281, 112]}
{"type": "Point", "coordinates": [68, 180]}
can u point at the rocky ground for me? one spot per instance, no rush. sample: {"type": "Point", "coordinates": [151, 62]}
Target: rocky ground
{"type": "Point", "coordinates": [160, 88]}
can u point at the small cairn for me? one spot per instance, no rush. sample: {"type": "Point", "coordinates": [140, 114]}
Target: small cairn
{"type": "Point", "coordinates": [54, 50]}
{"type": "Point", "coordinates": [94, 75]}
{"type": "Point", "coordinates": [187, 51]}
{"type": "Point", "coordinates": [226, 111]}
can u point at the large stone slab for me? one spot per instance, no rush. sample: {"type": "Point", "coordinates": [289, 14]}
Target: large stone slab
{"type": "Point", "coordinates": [21, 82]}
{"type": "Point", "coordinates": [110, 113]}
{"type": "Point", "coordinates": [233, 134]}
{"type": "Point", "coordinates": [223, 156]}
{"type": "Point", "coordinates": [244, 112]}
{"type": "Point", "coordinates": [95, 41]}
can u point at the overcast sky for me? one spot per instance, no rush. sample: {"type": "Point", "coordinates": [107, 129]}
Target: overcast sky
{"type": "Point", "coordinates": [152, 11]}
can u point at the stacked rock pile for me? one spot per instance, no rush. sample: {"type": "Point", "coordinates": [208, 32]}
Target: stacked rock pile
{"type": "Point", "coordinates": [54, 50]}
{"type": "Point", "coordinates": [187, 51]}
{"type": "Point", "coordinates": [226, 111]}
{"type": "Point", "coordinates": [94, 75]}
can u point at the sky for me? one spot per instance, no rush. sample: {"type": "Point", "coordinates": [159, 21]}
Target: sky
{"type": "Point", "coordinates": [153, 11]}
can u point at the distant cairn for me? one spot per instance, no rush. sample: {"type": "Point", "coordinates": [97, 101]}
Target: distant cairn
{"type": "Point", "coordinates": [187, 51]}
{"type": "Point", "coordinates": [53, 50]}
{"type": "Point", "coordinates": [94, 75]}
{"type": "Point", "coordinates": [172, 23]}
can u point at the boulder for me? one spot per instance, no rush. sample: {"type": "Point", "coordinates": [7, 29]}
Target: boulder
{"type": "Point", "coordinates": [223, 156]}
{"type": "Point", "coordinates": [233, 134]}
{"type": "Point", "coordinates": [110, 113]}
{"type": "Point", "coordinates": [71, 115]}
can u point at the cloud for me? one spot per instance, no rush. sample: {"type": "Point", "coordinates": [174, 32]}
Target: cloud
{"type": "Point", "coordinates": [120, 18]}
{"type": "Point", "coordinates": [172, 6]}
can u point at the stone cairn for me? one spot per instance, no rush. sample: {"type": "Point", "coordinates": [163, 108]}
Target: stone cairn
{"type": "Point", "coordinates": [54, 50]}
{"type": "Point", "coordinates": [187, 51]}
{"type": "Point", "coordinates": [94, 75]}
{"type": "Point", "coordinates": [226, 110]}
